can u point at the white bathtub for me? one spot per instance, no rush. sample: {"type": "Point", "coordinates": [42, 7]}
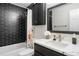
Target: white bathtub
{"type": "Point", "coordinates": [16, 50]}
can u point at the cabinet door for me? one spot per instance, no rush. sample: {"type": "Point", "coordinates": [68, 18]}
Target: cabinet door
{"type": "Point", "coordinates": [39, 14]}
{"type": "Point", "coordinates": [46, 52]}
{"type": "Point", "coordinates": [42, 15]}
{"type": "Point", "coordinates": [35, 15]}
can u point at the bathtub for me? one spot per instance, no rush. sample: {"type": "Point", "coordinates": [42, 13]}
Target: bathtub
{"type": "Point", "coordinates": [16, 50]}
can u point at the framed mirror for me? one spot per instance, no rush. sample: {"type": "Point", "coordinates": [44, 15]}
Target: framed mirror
{"type": "Point", "coordinates": [63, 18]}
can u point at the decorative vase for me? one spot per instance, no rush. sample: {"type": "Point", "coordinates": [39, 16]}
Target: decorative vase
{"type": "Point", "coordinates": [47, 36]}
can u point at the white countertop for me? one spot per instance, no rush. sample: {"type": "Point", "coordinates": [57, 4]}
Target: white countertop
{"type": "Point", "coordinates": [70, 49]}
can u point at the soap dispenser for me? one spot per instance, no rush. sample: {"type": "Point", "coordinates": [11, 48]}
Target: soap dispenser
{"type": "Point", "coordinates": [74, 39]}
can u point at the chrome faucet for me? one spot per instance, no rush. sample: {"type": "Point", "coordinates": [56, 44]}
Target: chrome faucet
{"type": "Point", "coordinates": [54, 38]}
{"type": "Point", "coordinates": [59, 37]}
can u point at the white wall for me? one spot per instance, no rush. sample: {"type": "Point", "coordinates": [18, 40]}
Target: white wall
{"type": "Point", "coordinates": [38, 31]}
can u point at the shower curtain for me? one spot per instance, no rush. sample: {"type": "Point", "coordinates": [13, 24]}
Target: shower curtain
{"type": "Point", "coordinates": [29, 29]}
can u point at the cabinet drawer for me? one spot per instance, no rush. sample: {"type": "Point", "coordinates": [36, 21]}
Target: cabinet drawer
{"type": "Point", "coordinates": [46, 52]}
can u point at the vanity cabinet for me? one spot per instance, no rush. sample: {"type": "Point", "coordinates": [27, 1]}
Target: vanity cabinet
{"type": "Point", "coordinates": [38, 13]}
{"type": "Point", "coordinates": [43, 51]}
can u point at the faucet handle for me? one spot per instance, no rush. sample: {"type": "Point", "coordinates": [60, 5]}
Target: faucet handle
{"type": "Point", "coordinates": [60, 38]}
{"type": "Point", "coordinates": [54, 36]}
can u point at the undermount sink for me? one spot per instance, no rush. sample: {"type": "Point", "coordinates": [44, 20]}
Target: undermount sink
{"type": "Point", "coordinates": [57, 44]}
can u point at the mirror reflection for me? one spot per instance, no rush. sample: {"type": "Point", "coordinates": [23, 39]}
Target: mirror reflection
{"type": "Point", "coordinates": [63, 17]}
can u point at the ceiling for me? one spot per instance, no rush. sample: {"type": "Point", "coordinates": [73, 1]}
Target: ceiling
{"type": "Point", "coordinates": [51, 4]}
{"type": "Point", "coordinates": [24, 5]}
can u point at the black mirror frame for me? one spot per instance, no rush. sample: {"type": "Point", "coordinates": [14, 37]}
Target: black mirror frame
{"type": "Point", "coordinates": [67, 32]}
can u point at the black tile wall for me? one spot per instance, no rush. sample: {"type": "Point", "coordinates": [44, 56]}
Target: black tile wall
{"type": "Point", "coordinates": [12, 24]}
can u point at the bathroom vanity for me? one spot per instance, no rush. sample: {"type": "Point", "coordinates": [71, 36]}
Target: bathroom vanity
{"type": "Point", "coordinates": [46, 47]}
{"type": "Point", "coordinates": [63, 18]}
{"type": "Point", "coordinates": [43, 51]}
